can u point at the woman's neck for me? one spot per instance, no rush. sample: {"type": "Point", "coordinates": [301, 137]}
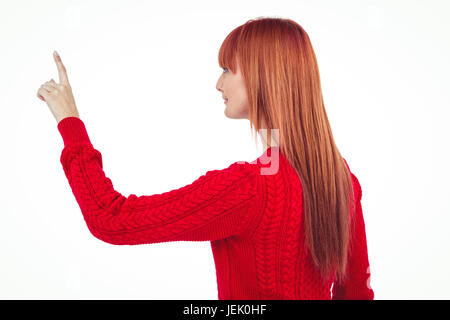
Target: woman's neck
{"type": "Point", "coordinates": [264, 136]}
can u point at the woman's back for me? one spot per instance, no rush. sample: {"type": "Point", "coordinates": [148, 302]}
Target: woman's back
{"type": "Point", "coordinates": [271, 261]}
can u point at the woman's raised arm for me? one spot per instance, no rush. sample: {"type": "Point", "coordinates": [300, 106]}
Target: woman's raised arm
{"type": "Point", "coordinates": [219, 204]}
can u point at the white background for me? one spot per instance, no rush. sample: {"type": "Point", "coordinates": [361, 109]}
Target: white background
{"type": "Point", "coordinates": [144, 75]}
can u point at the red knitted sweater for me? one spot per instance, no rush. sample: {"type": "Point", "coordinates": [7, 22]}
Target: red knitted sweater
{"type": "Point", "coordinates": [251, 214]}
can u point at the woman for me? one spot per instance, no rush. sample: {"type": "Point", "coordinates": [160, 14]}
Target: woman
{"type": "Point", "coordinates": [290, 230]}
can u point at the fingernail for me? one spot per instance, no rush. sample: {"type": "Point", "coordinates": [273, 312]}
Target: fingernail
{"type": "Point", "coordinates": [56, 53]}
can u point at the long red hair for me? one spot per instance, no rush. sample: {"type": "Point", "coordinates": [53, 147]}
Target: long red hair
{"type": "Point", "coordinates": [282, 79]}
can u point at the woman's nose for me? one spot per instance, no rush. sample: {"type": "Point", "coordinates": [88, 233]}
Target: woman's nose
{"type": "Point", "coordinates": [219, 84]}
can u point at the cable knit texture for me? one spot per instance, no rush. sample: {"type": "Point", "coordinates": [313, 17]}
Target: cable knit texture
{"type": "Point", "coordinates": [250, 212]}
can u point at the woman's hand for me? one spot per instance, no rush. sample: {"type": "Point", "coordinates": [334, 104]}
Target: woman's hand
{"type": "Point", "coordinates": [59, 96]}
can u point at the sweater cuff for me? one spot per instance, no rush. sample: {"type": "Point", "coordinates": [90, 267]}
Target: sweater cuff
{"type": "Point", "coordinates": [73, 132]}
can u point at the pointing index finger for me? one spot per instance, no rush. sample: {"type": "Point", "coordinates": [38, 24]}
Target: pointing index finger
{"type": "Point", "coordinates": [61, 69]}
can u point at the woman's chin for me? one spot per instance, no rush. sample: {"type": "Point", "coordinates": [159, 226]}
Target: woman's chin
{"type": "Point", "coordinates": [228, 114]}
{"type": "Point", "coordinates": [233, 115]}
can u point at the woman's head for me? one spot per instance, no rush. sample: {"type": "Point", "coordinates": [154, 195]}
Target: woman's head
{"type": "Point", "coordinates": [271, 77]}
{"type": "Point", "coordinates": [269, 71]}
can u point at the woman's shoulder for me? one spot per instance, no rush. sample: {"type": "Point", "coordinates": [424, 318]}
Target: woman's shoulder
{"type": "Point", "coordinates": [269, 161]}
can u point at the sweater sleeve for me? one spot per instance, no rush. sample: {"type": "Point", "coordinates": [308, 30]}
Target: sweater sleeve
{"type": "Point", "coordinates": [217, 205]}
{"type": "Point", "coordinates": [357, 285]}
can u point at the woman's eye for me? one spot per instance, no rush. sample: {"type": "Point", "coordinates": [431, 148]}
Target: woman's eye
{"type": "Point", "coordinates": [224, 69]}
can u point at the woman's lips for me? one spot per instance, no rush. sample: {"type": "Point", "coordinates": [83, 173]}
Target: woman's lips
{"type": "Point", "coordinates": [226, 100]}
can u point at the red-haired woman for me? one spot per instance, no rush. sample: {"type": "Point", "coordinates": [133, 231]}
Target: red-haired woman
{"type": "Point", "coordinates": [288, 225]}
